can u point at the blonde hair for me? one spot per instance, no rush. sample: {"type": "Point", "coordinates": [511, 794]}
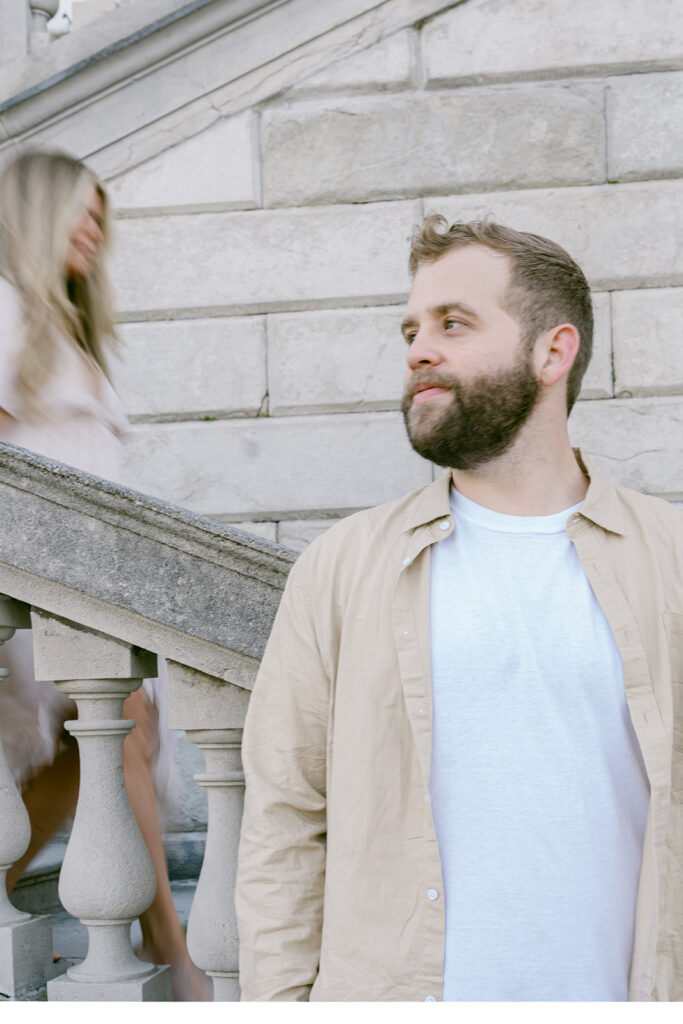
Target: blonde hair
{"type": "Point", "coordinates": [42, 199]}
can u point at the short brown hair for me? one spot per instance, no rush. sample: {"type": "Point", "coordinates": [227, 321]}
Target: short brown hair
{"type": "Point", "coordinates": [547, 287]}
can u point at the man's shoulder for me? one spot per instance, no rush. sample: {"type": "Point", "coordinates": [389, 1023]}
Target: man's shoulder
{"type": "Point", "coordinates": [649, 511]}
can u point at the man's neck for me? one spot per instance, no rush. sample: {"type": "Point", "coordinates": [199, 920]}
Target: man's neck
{"type": "Point", "coordinates": [537, 477]}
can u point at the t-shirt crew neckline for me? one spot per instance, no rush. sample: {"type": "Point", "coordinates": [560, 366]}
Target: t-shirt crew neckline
{"type": "Point", "coordinates": [502, 522]}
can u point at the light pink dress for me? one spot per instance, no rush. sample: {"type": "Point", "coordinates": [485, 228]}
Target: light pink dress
{"type": "Point", "coordinates": [82, 426]}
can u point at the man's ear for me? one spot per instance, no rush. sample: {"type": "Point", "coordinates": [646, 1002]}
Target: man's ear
{"type": "Point", "coordinates": [556, 352]}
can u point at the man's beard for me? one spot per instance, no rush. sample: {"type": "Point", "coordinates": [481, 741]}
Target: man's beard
{"type": "Point", "coordinates": [479, 423]}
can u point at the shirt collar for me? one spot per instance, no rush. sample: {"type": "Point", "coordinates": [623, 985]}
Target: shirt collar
{"type": "Point", "coordinates": [432, 503]}
{"type": "Point", "coordinates": [601, 505]}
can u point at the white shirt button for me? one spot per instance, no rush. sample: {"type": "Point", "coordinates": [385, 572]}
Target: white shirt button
{"type": "Point", "coordinates": [432, 894]}
{"type": "Point", "coordinates": [406, 561]}
{"type": "Point", "coordinates": [444, 525]}
{"type": "Point", "coordinates": [430, 999]}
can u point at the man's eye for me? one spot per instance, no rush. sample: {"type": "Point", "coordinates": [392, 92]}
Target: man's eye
{"type": "Point", "coordinates": [409, 336]}
{"type": "Point", "coordinates": [452, 322]}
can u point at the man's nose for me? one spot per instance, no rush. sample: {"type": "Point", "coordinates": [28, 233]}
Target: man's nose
{"type": "Point", "coordinates": [423, 350]}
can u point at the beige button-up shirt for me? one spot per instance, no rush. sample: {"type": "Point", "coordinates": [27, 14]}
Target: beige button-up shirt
{"type": "Point", "coordinates": [339, 879]}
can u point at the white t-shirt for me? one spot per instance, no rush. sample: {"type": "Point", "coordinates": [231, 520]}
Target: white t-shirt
{"type": "Point", "coordinates": [539, 793]}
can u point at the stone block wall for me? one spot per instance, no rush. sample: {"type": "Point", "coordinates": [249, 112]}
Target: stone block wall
{"type": "Point", "coordinates": [261, 264]}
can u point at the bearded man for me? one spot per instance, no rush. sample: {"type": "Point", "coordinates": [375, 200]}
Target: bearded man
{"type": "Point", "coordinates": [463, 752]}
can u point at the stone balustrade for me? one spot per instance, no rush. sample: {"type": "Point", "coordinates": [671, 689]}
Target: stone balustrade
{"type": "Point", "coordinates": [25, 939]}
{"type": "Point", "coordinates": [107, 579]}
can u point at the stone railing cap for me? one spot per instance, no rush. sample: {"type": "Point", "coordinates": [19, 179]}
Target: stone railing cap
{"type": "Point", "coordinates": [147, 572]}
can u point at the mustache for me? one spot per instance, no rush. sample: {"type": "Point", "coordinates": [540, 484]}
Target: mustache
{"type": "Point", "coordinates": [420, 380]}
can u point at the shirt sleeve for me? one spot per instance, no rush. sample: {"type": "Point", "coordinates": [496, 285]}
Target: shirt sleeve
{"type": "Point", "coordinates": [11, 341]}
{"type": "Point", "coordinates": [281, 868]}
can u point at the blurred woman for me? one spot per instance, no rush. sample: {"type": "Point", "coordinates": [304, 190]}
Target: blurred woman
{"type": "Point", "coordinates": [56, 399]}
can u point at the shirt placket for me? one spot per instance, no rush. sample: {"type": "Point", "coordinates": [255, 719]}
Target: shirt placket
{"type": "Point", "coordinates": [412, 644]}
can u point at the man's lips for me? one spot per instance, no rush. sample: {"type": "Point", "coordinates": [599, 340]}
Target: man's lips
{"type": "Point", "coordinates": [426, 391]}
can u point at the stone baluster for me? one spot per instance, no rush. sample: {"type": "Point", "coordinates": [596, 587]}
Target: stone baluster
{"type": "Point", "coordinates": [212, 927]}
{"type": "Point", "coordinates": [107, 878]}
{"type": "Point", "coordinates": [213, 713]}
{"type": "Point", "coordinates": [25, 939]}
{"type": "Point", "coordinates": [41, 11]}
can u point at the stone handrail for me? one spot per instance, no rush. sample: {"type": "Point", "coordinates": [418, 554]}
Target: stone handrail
{"type": "Point", "coordinates": [107, 578]}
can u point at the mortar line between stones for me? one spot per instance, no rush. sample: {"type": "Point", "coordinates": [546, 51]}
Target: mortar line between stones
{"type": "Point", "coordinates": [605, 89]}
{"type": "Point", "coordinates": [611, 345]}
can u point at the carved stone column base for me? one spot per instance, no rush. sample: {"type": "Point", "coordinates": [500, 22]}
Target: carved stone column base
{"type": "Point", "coordinates": [25, 955]}
{"type": "Point", "coordinates": [110, 955]}
{"type": "Point", "coordinates": [226, 987]}
{"type": "Point", "coordinates": [153, 988]}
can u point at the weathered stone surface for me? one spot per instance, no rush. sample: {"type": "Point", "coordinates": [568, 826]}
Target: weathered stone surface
{"type": "Point", "coordinates": [14, 35]}
{"type": "Point", "coordinates": [297, 534]}
{"type": "Point", "coordinates": [648, 355]}
{"type": "Point", "coordinates": [178, 69]}
{"type": "Point", "coordinates": [623, 236]}
{"type": "Point", "coordinates": [197, 701]}
{"type": "Point", "coordinates": [65, 650]}
{"type": "Point", "coordinates": [85, 11]}
{"type": "Point", "coordinates": [59, 64]}
{"type": "Point", "coordinates": [360, 150]}
{"type": "Point", "coordinates": [153, 576]}
{"type": "Point", "coordinates": [266, 530]}
{"type": "Point", "coordinates": [336, 360]}
{"type": "Point", "coordinates": [388, 64]}
{"type": "Point", "coordinates": [635, 442]}
{"type": "Point", "coordinates": [267, 466]}
{"type": "Point", "coordinates": [256, 260]}
{"type": "Point", "coordinates": [185, 809]}
{"type": "Point", "coordinates": [645, 122]}
{"type": "Point", "coordinates": [153, 989]}
{"type": "Point", "coordinates": [217, 167]}
{"type": "Point", "coordinates": [25, 955]}
{"type": "Point", "coordinates": [597, 382]}
{"type": "Point", "coordinates": [192, 368]}
{"type": "Point", "coordinates": [490, 39]}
